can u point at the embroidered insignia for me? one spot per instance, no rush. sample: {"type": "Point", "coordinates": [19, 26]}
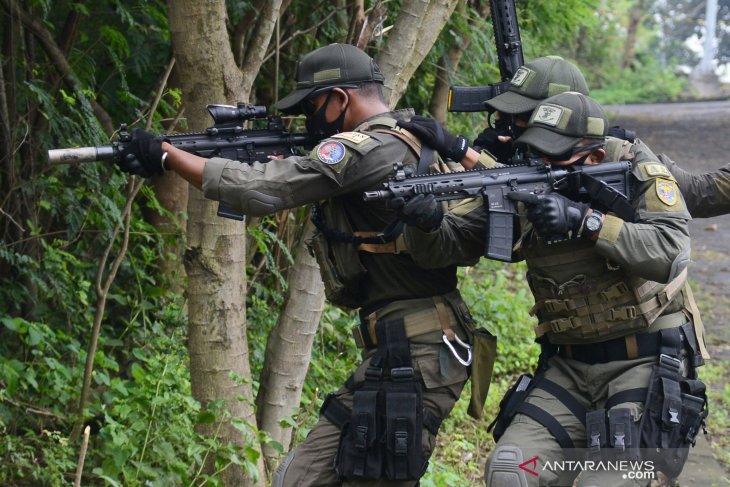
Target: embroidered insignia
{"type": "Point", "coordinates": [548, 114]}
{"type": "Point", "coordinates": [666, 191]}
{"type": "Point", "coordinates": [331, 152]}
{"type": "Point", "coordinates": [520, 76]}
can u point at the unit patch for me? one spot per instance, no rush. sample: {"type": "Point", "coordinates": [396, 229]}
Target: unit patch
{"type": "Point", "coordinates": [520, 76]}
{"type": "Point", "coordinates": [331, 152]}
{"type": "Point", "coordinates": [548, 114]}
{"type": "Point", "coordinates": [667, 191]}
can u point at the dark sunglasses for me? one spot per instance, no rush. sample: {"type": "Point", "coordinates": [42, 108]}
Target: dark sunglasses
{"type": "Point", "coordinates": [564, 156]}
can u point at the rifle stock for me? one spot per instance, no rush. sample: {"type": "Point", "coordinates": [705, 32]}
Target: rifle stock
{"type": "Point", "coordinates": [607, 185]}
{"type": "Point", "coordinates": [226, 138]}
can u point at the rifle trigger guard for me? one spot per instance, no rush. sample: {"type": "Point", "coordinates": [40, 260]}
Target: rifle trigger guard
{"type": "Point", "coordinates": [465, 346]}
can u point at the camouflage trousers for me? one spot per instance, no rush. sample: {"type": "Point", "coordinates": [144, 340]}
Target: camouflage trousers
{"type": "Point", "coordinates": [527, 454]}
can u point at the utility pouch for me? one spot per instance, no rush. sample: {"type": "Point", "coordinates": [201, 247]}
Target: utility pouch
{"type": "Point", "coordinates": [508, 405]}
{"type": "Point", "coordinates": [596, 431]}
{"type": "Point", "coordinates": [359, 455]}
{"type": "Point", "coordinates": [674, 412]}
{"type": "Point", "coordinates": [484, 351]}
{"type": "Point", "coordinates": [404, 427]}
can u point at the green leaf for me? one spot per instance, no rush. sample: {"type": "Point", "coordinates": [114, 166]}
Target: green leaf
{"type": "Point", "coordinates": [137, 372]}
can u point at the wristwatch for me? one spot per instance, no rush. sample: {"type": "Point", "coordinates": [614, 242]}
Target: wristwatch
{"type": "Point", "coordinates": [592, 225]}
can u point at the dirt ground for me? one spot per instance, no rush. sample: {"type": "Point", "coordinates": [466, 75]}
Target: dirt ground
{"type": "Point", "coordinates": [697, 137]}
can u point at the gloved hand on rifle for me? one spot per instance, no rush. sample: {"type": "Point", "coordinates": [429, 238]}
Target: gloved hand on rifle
{"type": "Point", "coordinates": [489, 140]}
{"type": "Point", "coordinates": [421, 211]}
{"type": "Point", "coordinates": [553, 216]}
{"type": "Point", "coordinates": [142, 155]}
{"type": "Point", "coordinates": [433, 134]}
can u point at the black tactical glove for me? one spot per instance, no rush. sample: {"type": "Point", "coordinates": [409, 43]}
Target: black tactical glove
{"type": "Point", "coordinates": [433, 134]}
{"type": "Point", "coordinates": [142, 155]}
{"type": "Point", "coordinates": [422, 211]}
{"type": "Point", "coordinates": [554, 216]}
{"type": "Point", "coordinates": [487, 140]}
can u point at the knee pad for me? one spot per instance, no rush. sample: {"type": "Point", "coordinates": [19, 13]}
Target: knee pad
{"type": "Point", "coordinates": [280, 474]}
{"type": "Point", "coordinates": [502, 469]}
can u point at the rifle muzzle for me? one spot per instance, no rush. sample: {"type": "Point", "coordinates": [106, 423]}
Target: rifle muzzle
{"type": "Point", "coordinates": [81, 154]}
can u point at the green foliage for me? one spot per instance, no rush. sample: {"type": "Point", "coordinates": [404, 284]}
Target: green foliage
{"type": "Point", "coordinates": [644, 84]}
{"type": "Point", "coordinates": [715, 374]}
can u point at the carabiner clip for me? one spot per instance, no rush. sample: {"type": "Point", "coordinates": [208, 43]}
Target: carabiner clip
{"type": "Point", "coordinates": [466, 346]}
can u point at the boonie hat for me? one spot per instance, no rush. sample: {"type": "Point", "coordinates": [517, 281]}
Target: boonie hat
{"type": "Point", "coordinates": [333, 65]}
{"type": "Point", "coordinates": [539, 79]}
{"type": "Point", "coordinates": [563, 120]}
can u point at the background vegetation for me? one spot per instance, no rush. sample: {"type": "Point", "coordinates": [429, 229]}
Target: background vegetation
{"type": "Point", "coordinates": [73, 70]}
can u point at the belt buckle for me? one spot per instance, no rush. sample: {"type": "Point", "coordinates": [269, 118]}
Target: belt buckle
{"type": "Point", "coordinates": [671, 363]}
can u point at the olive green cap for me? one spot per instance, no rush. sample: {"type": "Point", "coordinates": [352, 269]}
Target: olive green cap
{"type": "Point", "coordinates": [563, 120]}
{"type": "Point", "coordinates": [539, 79]}
{"type": "Point", "coordinates": [333, 65]}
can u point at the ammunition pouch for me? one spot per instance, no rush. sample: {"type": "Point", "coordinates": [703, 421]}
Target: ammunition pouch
{"type": "Point", "coordinates": [382, 434]}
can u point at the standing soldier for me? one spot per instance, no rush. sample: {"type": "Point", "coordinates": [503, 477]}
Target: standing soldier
{"type": "Point", "coordinates": [380, 427]}
{"type": "Point", "coordinates": [617, 370]}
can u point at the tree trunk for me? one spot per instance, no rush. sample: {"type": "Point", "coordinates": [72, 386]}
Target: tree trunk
{"type": "Point", "coordinates": [637, 12]}
{"type": "Point", "coordinates": [259, 42]}
{"type": "Point", "coordinates": [448, 63]}
{"type": "Point", "coordinates": [289, 349]}
{"type": "Point", "coordinates": [418, 25]}
{"type": "Point", "coordinates": [214, 259]}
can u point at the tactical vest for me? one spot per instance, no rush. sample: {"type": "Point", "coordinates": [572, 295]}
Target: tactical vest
{"type": "Point", "coordinates": [336, 244]}
{"type": "Point", "coordinates": [580, 297]}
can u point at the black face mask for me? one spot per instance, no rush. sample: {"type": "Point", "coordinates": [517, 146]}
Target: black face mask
{"type": "Point", "coordinates": [317, 125]}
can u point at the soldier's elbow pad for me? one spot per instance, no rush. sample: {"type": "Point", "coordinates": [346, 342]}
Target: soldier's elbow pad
{"type": "Point", "coordinates": [256, 203]}
{"type": "Point", "coordinates": [680, 263]}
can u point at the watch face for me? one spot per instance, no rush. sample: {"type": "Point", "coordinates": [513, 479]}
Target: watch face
{"type": "Point", "coordinates": [593, 223]}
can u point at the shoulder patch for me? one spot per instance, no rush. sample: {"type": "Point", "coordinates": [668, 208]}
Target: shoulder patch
{"type": "Point", "coordinates": [331, 152]}
{"type": "Point", "coordinates": [354, 137]}
{"type": "Point", "coordinates": [667, 191]}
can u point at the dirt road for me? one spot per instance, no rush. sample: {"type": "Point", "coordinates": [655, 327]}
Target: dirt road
{"type": "Point", "coordinates": [697, 137]}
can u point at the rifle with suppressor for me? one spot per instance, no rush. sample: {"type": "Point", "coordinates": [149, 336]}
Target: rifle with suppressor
{"type": "Point", "coordinates": [509, 53]}
{"type": "Point", "coordinates": [226, 138]}
{"type": "Point", "coordinates": [605, 184]}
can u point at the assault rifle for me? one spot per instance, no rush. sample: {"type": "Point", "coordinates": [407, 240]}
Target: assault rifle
{"type": "Point", "coordinates": [509, 53]}
{"type": "Point", "coordinates": [226, 138]}
{"type": "Point", "coordinates": [605, 184]}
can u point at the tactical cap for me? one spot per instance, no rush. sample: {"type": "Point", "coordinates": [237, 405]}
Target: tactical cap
{"type": "Point", "coordinates": [563, 120]}
{"type": "Point", "coordinates": [333, 65]}
{"type": "Point", "coordinates": [539, 79]}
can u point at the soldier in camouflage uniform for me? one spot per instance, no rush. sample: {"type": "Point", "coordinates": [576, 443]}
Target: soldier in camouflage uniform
{"type": "Point", "coordinates": [706, 195]}
{"type": "Point", "coordinates": [532, 83]}
{"type": "Point", "coordinates": [617, 370]}
{"type": "Point", "coordinates": [380, 427]}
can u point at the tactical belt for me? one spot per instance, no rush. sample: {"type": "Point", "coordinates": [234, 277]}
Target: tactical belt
{"type": "Point", "coordinates": [433, 319]}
